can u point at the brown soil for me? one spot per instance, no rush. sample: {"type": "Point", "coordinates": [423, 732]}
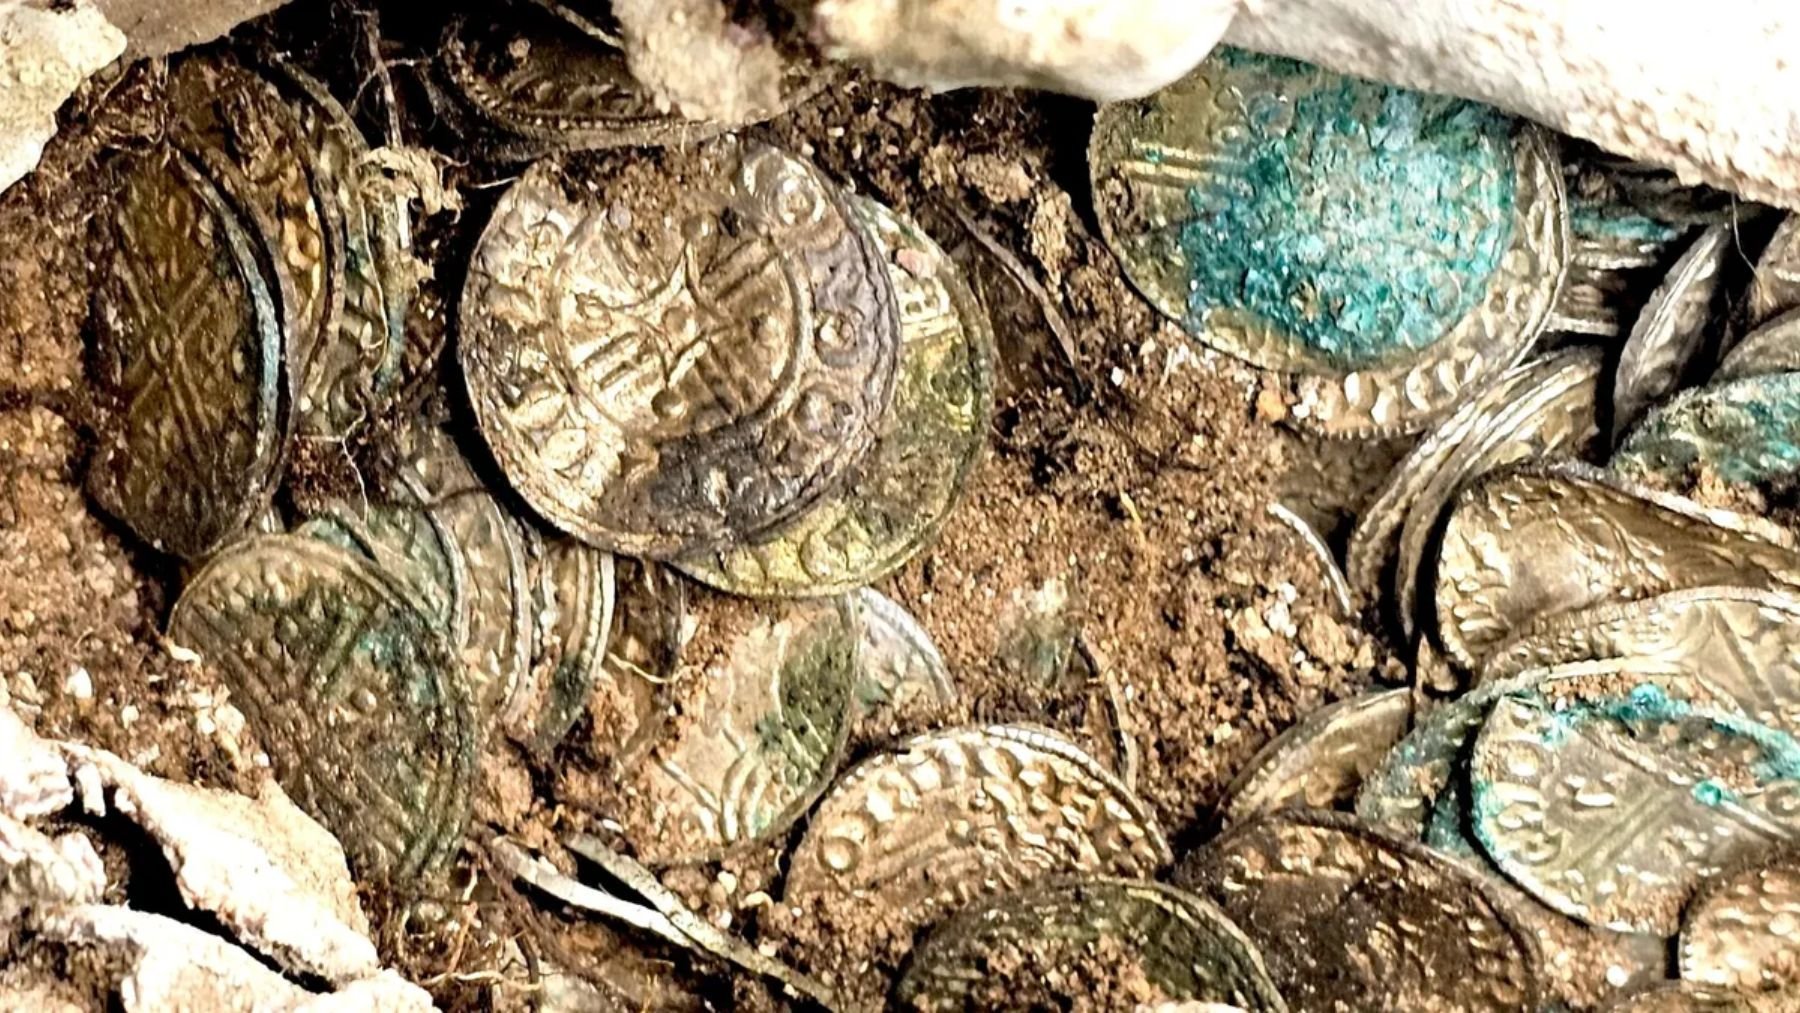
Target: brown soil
{"type": "Point", "coordinates": [1137, 475]}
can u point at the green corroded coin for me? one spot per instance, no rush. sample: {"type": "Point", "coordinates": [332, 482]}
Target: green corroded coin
{"type": "Point", "coordinates": [361, 704]}
{"type": "Point", "coordinates": [1182, 945]}
{"type": "Point", "coordinates": [1616, 253]}
{"type": "Point", "coordinates": [1395, 243]}
{"type": "Point", "coordinates": [409, 545]}
{"type": "Point", "coordinates": [1773, 347]}
{"type": "Point", "coordinates": [929, 440]}
{"type": "Point", "coordinates": [1745, 431]}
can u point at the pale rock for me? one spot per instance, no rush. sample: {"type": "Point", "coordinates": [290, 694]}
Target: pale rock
{"type": "Point", "coordinates": [159, 27]}
{"type": "Point", "coordinates": [46, 50]}
{"type": "Point", "coordinates": [38, 870]}
{"type": "Point", "coordinates": [34, 777]}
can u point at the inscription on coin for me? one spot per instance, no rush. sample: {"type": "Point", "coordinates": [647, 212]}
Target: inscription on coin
{"type": "Point", "coordinates": [692, 362]}
{"type": "Point", "coordinates": [409, 545]}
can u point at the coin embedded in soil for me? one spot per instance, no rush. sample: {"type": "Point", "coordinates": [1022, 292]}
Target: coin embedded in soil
{"type": "Point", "coordinates": [1688, 997]}
{"type": "Point", "coordinates": [1350, 918]}
{"type": "Point", "coordinates": [650, 630]}
{"type": "Point", "coordinates": [960, 814]}
{"type": "Point", "coordinates": [361, 704]}
{"type": "Point", "coordinates": [1392, 244]}
{"type": "Point", "coordinates": [1671, 330]}
{"type": "Point", "coordinates": [1775, 288]}
{"type": "Point", "coordinates": [1773, 347]}
{"type": "Point", "coordinates": [896, 663]}
{"type": "Point", "coordinates": [1545, 540]}
{"type": "Point", "coordinates": [574, 610]}
{"type": "Point", "coordinates": [690, 359]}
{"type": "Point", "coordinates": [409, 545]}
{"type": "Point", "coordinates": [998, 953]}
{"type": "Point", "coordinates": [1322, 761]}
{"type": "Point", "coordinates": [1611, 809]}
{"type": "Point", "coordinates": [1742, 930]}
{"type": "Point", "coordinates": [1745, 431]}
{"type": "Point", "coordinates": [188, 361]}
{"type": "Point", "coordinates": [893, 504]}
{"type": "Point", "coordinates": [763, 706]}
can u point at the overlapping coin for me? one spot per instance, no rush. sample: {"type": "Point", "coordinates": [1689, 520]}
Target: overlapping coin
{"type": "Point", "coordinates": [1742, 930]}
{"type": "Point", "coordinates": [1743, 431]}
{"type": "Point", "coordinates": [1323, 760]}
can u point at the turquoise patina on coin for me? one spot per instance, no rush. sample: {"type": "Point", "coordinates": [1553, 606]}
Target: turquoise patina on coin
{"type": "Point", "coordinates": [1745, 431]}
{"type": "Point", "coordinates": [1310, 222]}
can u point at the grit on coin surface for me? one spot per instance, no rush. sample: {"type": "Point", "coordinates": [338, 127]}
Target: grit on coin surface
{"type": "Point", "coordinates": [361, 704]}
{"type": "Point", "coordinates": [896, 661]}
{"type": "Point", "coordinates": [1544, 540]}
{"type": "Point", "coordinates": [1323, 760]}
{"type": "Point", "coordinates": [188, 360]}
{"type": "Point", "coordinates": [1742, 930]}
{"type": "Point", "coordinates": [689, 356]}
{"type": "Point", "coordinates": [1611, 809]}
{"type": "Point", "coordinates": [1395, 244]}
{"type": "Point", "coordinates": [1181, 944]}
{"type": "Point", "coordinates": [1745, 431]}
{"type": "Point", "coordinates": [892, 504]}
{"type": "Point", "coordinates": [1350, 918]}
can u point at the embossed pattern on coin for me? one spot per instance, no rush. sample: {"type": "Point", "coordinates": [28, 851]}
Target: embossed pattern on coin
{"type": "Point", "coordinates": [1745, 431]}
{"type": "Point", "coordinates": [1181, 944]}
{"type": "Point", "coordinates": [896, 662]}
{"type": "Point", "coordinates": [1671, 329]}
{"type": "Point", "coordinates": [579, 581]}
{"type": "Point", "coordinates": [1322, 761]}
{"type": "Point", "coordinates": [362, 706]}
{"type": "Point", "coordinates": [1772, 348]}
{"type": "Point", "coordinates": [893, 504]}
{"type": "Point", "coordinates": [1540, 541]}
{"type": "Point", "coordinates": [1776, 287]}
{"type": "Point", "coordinates": [189, 359]}
{"type": "Point", "coordinates": [693, 363]}
{"type": "Point", "coordinates": [1611, 809]}
{"type": "Point", "coordinates": [1742, 930]}
{"type": "Point", "coordinates": [409, 545]}
{"type": "Point", "coordinates": [964, 813]}
{"type": "Point", "coordinates": [765, 722]}
{"type": "Point", "coordinates": [1350, 918]}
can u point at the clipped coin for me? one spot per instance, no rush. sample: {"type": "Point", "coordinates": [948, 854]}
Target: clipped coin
{"type": "Point", "coordinates": [765, 705]}
{"type": "Point", "coordinates": [1773, 347]}
{"type": "Point", "coordinates": [409, 545]}
{"type": "Point", "coordinates": [956, 815]}
{"type": "Point", "coordinates": [894, 502]}
{"type": "Point", "coordinates": [359, 701]}
{"type": "Point", "coordinates": [1775, 288]}
{"type": "Point", "coordinates": [1671, 330]}
{"type": "Point", "coordinates": [1744, 431]}
{"type": "Point", "coordinates": [897, 663]}
{"type": "Point", "coordinates": [1392, 245]}
{"type": "Point", "coordinates": [1548, 539]}
{"type": "Point", "coordinates": [1351, 918]}
{"type": "Point", "coordinates": [1611, 809]}
{"type": "Point", "coordinates": [1184, 947]}
{"type": "Point", "coordinates": [1742, 929]}
{"type": "Point", "coordinates": [1322, 761]}
{"type": "Point", "coordinates": [188, 363]}
{"type": "Point", "coordinates": [690, 361]}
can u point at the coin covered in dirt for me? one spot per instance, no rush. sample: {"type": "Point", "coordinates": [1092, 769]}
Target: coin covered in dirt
{"type": "Point", "coordinates": [1350, 918]}
{"type": "Point", "coordinates": [1323, 760]}
{"type": "Point", "coordinates": [1745, 431]}
{"type": "Point", "coordinates": [896, 662]}
{"type": "Point", "coordinates": [1025, 950]}
{"type": "Point", "coordinates": [686, 360]}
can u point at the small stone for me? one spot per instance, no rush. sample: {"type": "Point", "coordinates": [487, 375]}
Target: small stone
{"type": "Point", "coordinates": [79, 684]}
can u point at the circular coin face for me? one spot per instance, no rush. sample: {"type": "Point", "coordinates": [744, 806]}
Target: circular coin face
{"type": "Point", "coordinates": [1349, 918]}
{"type": "Point", "coordinates": [1320, 762]}
{"type": "Point", "coordinates": [893, 504]}
{"type": "Point", "coordinates": [687, 361]}
{"type": "Point", "coordinates": [1745, 431]}
{"type": "Point", "coordinates": [361, 704]}
{"type": "Point", "coordinates": [189, 359]}
{"type": "Point", "coordinates": [413, 548]}
{"type": "Point", "coordinates": [1181, 945]}
{"type": "Point", "coordinates": [1742, 931]}
{"type": "Point", "coordinates": [1314, 223]}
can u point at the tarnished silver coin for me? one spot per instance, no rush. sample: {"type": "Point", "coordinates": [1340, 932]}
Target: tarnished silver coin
{"type": "Point", "coordinates": [188, 363]}
{"type": "Point", "coordinates": [1351, 918]}
{"type": "Point", "coordinates": [1773, 347]}
{"type": "Point", "coordinates": [651, 627]}
{"type": "Point", "coordinates": [1616, 252]}
{"type": "Point", "coordinates": [363, 707]}
{"type": "Point", "coordinates": [961, 814]}
{"type": "Point", "coordinates": [1742, 929]}
{"type": "Point", "coordinates": [690, 360]}
{"type": "Point", "coordinates": [409, 545]}
{"type": "Point", "coordinates": [1743, 431]}
{"type": "Point", "coordinates": [576, 599]}
{"type": "Point", "coordinates": [1322, 761]}
{"type": "Point", "coordinates": [1612, 808]}
{"type": "Point", "coordinates": [1671, 330]}
{"type": "Point", "coordinates": [1775, 288]}
{"type": "Point", "coordinates": [1392, 245]}
{"type": "Point", "coordinates": [1185, 948]}
{"type": "Point", "coordinates": [1544, 540]}
{"type": "Point", "coordinates": [893, 503]}
{"type": "Point", "coordinates": [897, 663]}
{"type": "Point", "coordinates": [765, 709]}
{"type": "Point", "coordinates": [1743, 643]}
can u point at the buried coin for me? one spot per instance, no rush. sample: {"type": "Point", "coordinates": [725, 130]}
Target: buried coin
{"type": "Point", "coordinates": [960, 814]}
{"type": "Point", "coordinates": [576, 598]}
{"type": "Point", "coordinates": [1612, 808]}
{"type": "Point", "coordinates": [361, 704]}
{"type": "Point", "coordinates": [892, 505]}
{"type": "Point", "coordinates": [1180, 944]}
{"type": "Point", "coordinates": [409, 545]}
{"type": "Point", "coordinates": [1393, 245]}
{"type": "Point", "coordinates": [1772, 348]}
{"type": "Point", "coordinates": [650, 628]}
{"type": "Point", "coordinates": [1689, 997]}
{"type": "Point", "coordinates": [188, 364]}
{"type": "Point", "coordinates": [1775, 288]}
{"type": "Point", "coordinates": [1322, 761]}
{"type": "Point", "coordinates": [896, 663]}
{"type": "Point", "coordinates": [689, 362]}
{"type": "Point", "coordinates": [1544, 540]}
{"type": "Point", "coordinates": [1350, 918]}
{"type": "Point", "coordinates": [1742, 930]}
{"type": "Point", "coordinates": [1744, 431]}
{"type": "Point", "coordinates": [1671, 330]}
{"type": "Point", "coordinates": [1615, 255]}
